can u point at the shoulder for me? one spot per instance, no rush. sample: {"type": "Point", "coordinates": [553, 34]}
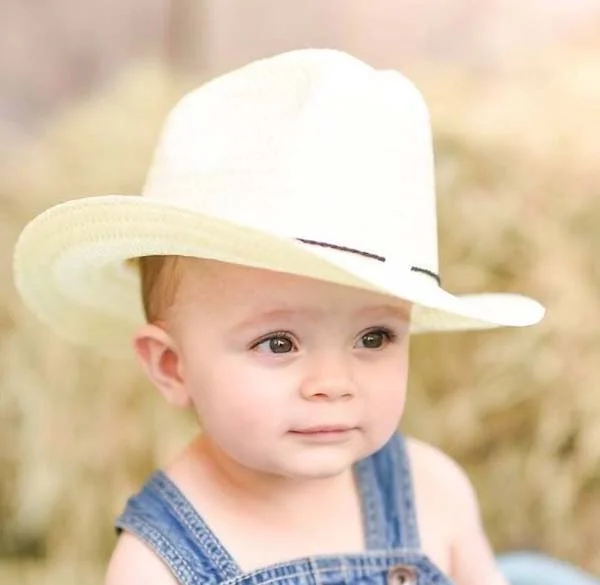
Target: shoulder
{"type": "Point", "coordinates": [133, 563]}
{"type": "Point", "coordinates": [430, 463]}
{"type": "Point", "coordinates": [440, 481]}
{"type": "Point", "coordinates": [447, 507]}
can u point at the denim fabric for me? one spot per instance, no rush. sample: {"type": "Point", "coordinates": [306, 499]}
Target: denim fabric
{"type": "Point", "coordinates": [162, 518]}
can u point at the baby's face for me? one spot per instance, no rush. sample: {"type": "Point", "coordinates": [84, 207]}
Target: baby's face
{"type": "Point", "coordinates": [289, 375]}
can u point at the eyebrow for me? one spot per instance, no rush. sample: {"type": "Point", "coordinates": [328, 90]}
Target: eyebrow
{"type": "Point", "coordinates": [276, 314]}
{"type": "Point", "coordinates": [393, 310]}
{"type": "Point", "coordinates": [314, 315]}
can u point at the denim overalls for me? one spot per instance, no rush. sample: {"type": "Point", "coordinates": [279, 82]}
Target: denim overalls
{"type": "Point", "coordinates": [162, 518]}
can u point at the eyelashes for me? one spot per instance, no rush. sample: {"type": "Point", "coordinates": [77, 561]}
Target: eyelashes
{"type": "Point", "coordinates": [284, 342]}
{"type": "Point", "coordinates": [377, 338]}
{"type": "Point", "coordinates": [280, 342]}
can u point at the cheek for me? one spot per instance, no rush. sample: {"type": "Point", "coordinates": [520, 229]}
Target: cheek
{"type": "Point", "coordinates": [233, 395]}
{"type": "Point", "coordinates": [389, 399]}
{"type": "Point", "coordinates": [387, 386]}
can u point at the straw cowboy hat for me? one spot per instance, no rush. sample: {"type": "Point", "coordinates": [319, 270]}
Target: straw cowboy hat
{"type": "Point", "coordinates": [310, 162]}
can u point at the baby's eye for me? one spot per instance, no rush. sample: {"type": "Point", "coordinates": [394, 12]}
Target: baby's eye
{"type": "Point", "coordinates": [278, 343]}
{"type": "Point", "coordinates": [375, 339]}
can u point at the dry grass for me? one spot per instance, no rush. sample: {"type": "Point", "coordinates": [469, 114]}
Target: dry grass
{"type": "Point", "coordinates": [519, 210]}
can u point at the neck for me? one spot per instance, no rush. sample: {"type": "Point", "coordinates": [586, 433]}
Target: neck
{"type": "Point", "coordinates": [259, 489]}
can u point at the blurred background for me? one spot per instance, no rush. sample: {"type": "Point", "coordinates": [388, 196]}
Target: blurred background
{"type": "Point", "coordinates": [514, 91]}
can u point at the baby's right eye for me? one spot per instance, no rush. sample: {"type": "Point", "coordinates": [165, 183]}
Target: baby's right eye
{"type": "Point", "coordinates": [278, 343]}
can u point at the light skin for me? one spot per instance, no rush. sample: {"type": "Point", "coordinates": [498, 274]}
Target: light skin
{"type": "Point", "coordinates": [293, 380]}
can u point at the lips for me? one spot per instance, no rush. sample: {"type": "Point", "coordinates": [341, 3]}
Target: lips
{"type": "Point", "coordinates": [323, 429]}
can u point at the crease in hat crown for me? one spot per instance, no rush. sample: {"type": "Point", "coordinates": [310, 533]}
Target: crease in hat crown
{"type": "Point", "coordinates": [310, 145]}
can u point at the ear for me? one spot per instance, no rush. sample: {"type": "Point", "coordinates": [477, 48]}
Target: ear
{"type": "Point", "coordinates": [159, 357]}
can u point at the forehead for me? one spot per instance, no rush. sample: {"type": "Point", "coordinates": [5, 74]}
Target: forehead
{"type": "Point", "coordinates": [218, 284]}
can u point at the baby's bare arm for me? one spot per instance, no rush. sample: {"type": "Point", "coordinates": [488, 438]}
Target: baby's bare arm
{"type": "Point", "coordinates": [473, 561]}
{"type": "Point", "coordinates": [133, 563]}
{"type": "Point", "coordinates": [441, 484]}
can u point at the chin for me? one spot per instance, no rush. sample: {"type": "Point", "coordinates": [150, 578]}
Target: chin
{"type": "Point", "coordinates": [319, 466]}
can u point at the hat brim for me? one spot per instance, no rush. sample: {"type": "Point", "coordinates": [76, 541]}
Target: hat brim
{"type": "Point", "coordinates": [71, 269]}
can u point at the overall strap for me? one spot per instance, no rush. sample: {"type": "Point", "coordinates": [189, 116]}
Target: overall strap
{"type": "Point", "coordinates": [391, 468]}
{"type": "Point", "coordinates": [161, 517]}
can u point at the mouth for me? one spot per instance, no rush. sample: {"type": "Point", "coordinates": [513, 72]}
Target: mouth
{"type": "Point", "coordinates": [326, 433]}
{"type": "Point", "coordinates": [323, 430]}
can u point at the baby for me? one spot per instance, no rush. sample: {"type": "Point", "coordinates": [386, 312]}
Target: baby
{"type": "Point", "coordinates": [286, 245]}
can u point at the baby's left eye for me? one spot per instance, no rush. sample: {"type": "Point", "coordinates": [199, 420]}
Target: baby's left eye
{"type": "Point", "coordinates": [375, 339]}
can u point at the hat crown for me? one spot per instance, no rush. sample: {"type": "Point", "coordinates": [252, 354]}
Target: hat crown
{"type": "Point", "coordinates": [311, 144]}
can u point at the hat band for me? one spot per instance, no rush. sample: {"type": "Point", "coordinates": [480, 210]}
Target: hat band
{"type": "Point", "coordinates": [377, 257]}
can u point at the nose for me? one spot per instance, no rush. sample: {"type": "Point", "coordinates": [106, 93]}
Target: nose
{"type": "Point", "coordinates": [329, 380]}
